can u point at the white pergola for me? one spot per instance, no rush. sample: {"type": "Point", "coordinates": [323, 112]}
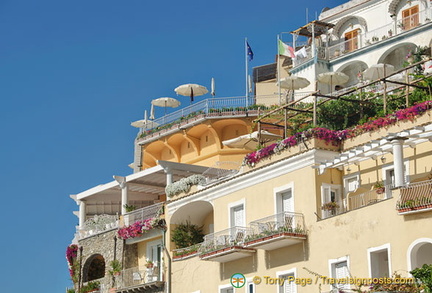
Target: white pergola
{"type": "Point", "coordinates": [141, 189]}
{"type": "Point", "coordinates": [391, 143]}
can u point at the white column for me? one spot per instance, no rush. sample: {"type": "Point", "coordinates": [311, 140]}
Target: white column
{"type": "Point", "coordinates": [82, 214]}
{"type": "Point", "coordinates": [124, 196]}
{"type": "Point", "coordinates": [169, 176]}
{"type": "Point", "coordinates": [398, 163]}
{"type": "Point", "coordinates": [124, 192]}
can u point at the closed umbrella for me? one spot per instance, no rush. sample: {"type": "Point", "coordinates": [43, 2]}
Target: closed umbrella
{"type": "Point", "coordinates": [250, 141]}
{"type": "Point", "coordinates": [213, 88]}
{"type": "Point", "coordinates": [378, 71]}
{"type": "Point", "coordinates": [333, 78]}
{"type": "Point", "coordinates": [191, 90]}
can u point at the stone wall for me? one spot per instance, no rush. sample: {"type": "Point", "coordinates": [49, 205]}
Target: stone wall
{"type": "Point", "coordinates": [104, 244]}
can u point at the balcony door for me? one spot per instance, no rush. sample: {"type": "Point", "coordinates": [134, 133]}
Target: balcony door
{"type": "Point", "coordinates": [410, 17]}
{"type": "Point", "coordinates": [351, 40]}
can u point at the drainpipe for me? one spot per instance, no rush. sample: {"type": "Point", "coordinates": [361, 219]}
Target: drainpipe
{"type": "Point", "coordinates": [168, 282]}
{"type": "Point", "coordinates": [398, 164]}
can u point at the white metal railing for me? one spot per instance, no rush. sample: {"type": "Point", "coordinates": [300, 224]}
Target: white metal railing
{"type": "Point", "coordinates": [285, 222]}
{"type": "Point", "coordinates": [98, 224]}
{"type": "Point", "coordinates": [136, 276]}
{"type": "Point", "coordinates": [204, 107]}
{"type": "Point", "coordinates": [230, 237]}
{"type": "Point", "coordinates": [415, 195]}
{"type": "Point", "coordinates": [143, 213]}
{"type": "Point", "coordinates": [369, 197]}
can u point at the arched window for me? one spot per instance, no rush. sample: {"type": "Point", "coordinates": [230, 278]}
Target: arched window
{"type": "Point", "coordinates": [94, 268]}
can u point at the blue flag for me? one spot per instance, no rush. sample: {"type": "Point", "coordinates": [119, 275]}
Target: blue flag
{"type": "Point", "coordinates": [249, 52]}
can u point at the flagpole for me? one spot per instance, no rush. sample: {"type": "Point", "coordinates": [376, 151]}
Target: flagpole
{"type": "Point", "coordinates": [278, 71]}
{"type": "Point", "coordinates": [247, 71]}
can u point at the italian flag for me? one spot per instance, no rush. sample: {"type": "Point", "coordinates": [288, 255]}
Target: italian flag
{"type": "Point", "coordinates": [285, 50]}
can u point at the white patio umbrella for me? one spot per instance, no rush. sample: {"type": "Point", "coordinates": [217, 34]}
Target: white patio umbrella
{"type": "Point", "coordinates": [165, 102]}
{"type": "Point", "coordinates": [250, 141]}
{"type": "Point", "coordinates": [378, 71]}
{"type": "Point", "coordinates": [293, 82]}
{"type": "Point", "coordinates": [333, 78]}
{"type": "Point", "coordinates": [191, 90]}
{"type": "Point", "coordinates": [144, 123]}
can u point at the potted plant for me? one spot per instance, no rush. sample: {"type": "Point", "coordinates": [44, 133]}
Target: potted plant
{"type": "Point", "coordinates": [129, 208]}
{"type": "Point", "coordinates": [149, 264]}
{"type": "Point", "coordinates": [379, 186]}
{"type": "Point", "coordinates": [330, 206]}
{"type": "Point", "coordinates": [115, 268]}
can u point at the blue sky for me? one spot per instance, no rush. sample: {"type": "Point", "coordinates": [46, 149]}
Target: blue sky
{"type": "Point", "coordinates": [74, 74]}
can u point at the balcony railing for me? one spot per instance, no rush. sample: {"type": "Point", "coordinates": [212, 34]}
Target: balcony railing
{"type": "Point", "coordinates": [286, 222]}
{"type": "Point", "coordinates": [415, 197]}
{"type": "Point", "coordinates": [369, 197]}
{"type": "Point", "coordinates": [276, 231]}
{"type": "Point", "coordinates": [143, 213]}
{"type": "Point", "coordinates": [98, 224]}
{"type": "Point", "coordinates": [368, 38]}
{"type": "Point", "coordinates": [230, 237]}
{"type": "Point", "coordinates": [139, 277]}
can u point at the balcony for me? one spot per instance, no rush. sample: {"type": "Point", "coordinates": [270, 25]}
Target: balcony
{"type": "Point", "coordinates": [357, 200]}
{"type": "Point", "coordinates": [139, 280]}
{"type": "Point", "coordinates": [277, 231]}
{"type": "Point", "coordinates": [369, 38]}
{"type": "Point", "coordinates": [197, 112]}
{"type": "Point", "coordinates": [97, 225]}
{"type": "Point", "coordinates": [225, 245]}
{"type": "Point", "coordinates": [415, 198]}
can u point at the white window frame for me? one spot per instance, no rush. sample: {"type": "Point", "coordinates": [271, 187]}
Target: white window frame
{"type": "Point", "coordinates": [293, 271]}
{"type": "Point", "coordinates": [333, 262]}
{"type": "Point", "coordinates": [228, 286]}
{"type": "Point", "coordinates": [249, 281]}
{"type": "Point", "coordinates": [338, 187]}
{"type": "Point", "coordinates": [277, 192]}
{"type": "Point", "coordinates": [377, 249]}
{"type": "Point", "coordinates": [231, 207]}
{"type": "Point", "coordinates": [346, 178]}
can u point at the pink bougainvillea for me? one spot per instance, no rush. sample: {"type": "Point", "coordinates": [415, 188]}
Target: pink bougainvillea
{"type": "Point", "coordinates": [136, 229]}
{"type": "Point", "coordinates": [335, 137]}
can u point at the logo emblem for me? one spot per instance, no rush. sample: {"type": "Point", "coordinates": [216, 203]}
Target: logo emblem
{"type": "Point", "coordinates": [238, 280]}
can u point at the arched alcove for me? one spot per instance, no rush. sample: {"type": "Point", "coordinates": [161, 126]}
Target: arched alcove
{"type": "Point", "coordinates": [94, 268]}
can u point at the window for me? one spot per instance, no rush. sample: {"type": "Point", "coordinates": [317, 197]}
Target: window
{"type": "Point", "coordinates": [237, 216]}
{"type": "Point", "coordinates": [379, 261]}
{"type": "Point", "coordinates": [237, 213]}
{"type": "Point", "coordinates": [287, 287]}
{"type": "Point", "coordinates": [351, 40]}
{"type": "Point", "coordinates": [339, 270]}
{"type": "Point", "coordinates": [250, 286]}
{"type": "Point", "coordinates": [410, 18]}
{"type": "Point", "coordinates": [284, 197]}
{"type": "Point", "coordinates": [351, 183]}
{"type": "Point", "coordinates": [226, 289]}
{"type": "Point", "coordinates": [331, 200]}
{"type": "Point", "coordinates": [154, 254]}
